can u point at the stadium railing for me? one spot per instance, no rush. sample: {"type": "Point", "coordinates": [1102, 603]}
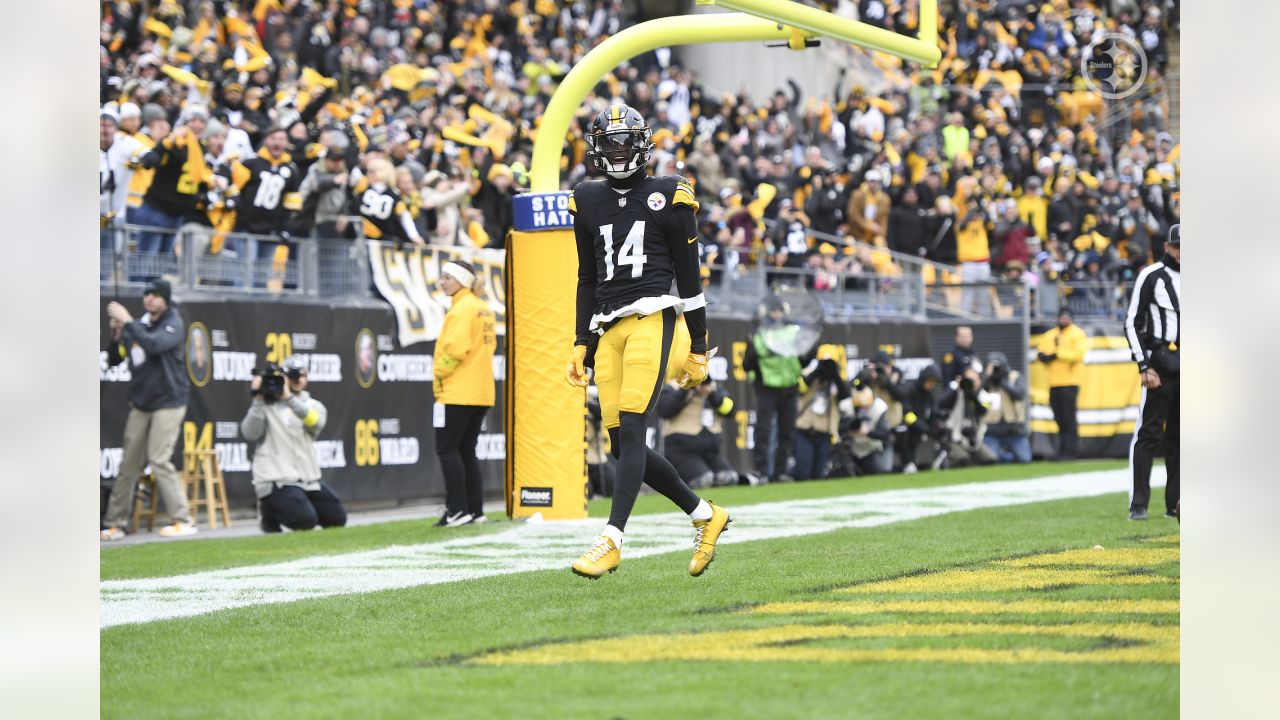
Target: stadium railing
{"type": "Point", "coordinates": [316, 267]}
{"type": "Point", "coordinates": [737, 290]}
{"type": "Point", "coordinates": [1102, 300]}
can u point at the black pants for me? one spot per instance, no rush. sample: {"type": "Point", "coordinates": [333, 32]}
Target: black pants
{"type": "Point", "coordinates": [297, 509]}
{"type": "Point", "coordinates": [1157, 431]}
{"type": "Point", "coordinates": [695, 456]}
{"type": "Point", "coordinates": [1062, 400]}
{"type": "Point", "coordinates": [771, 403]}
{"type": "Point", "coordinates": [456, 447]}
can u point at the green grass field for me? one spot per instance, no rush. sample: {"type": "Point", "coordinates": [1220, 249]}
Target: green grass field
{"type": "Point", "coordinates": [967, 614]}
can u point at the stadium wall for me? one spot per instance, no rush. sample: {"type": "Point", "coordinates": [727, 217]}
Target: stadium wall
{"type": "Point", "coordinates": [378, 444]}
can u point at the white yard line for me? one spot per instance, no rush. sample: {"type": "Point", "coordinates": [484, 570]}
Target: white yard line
{"type": "Point", "coordinates": [554, 545]}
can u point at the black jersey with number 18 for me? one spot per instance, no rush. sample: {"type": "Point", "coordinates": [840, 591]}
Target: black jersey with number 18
{"type": "Point", "coordinates": [633, 232]}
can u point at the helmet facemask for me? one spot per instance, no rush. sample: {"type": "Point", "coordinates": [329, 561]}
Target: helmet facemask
{"type": "Point", "coordinates": [620, 153]}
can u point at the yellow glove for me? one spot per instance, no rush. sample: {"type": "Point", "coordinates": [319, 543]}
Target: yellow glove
{"type": "Point", "coordinates": [694, 371]}
{"type": "Point", "coordinates": [576, 373]}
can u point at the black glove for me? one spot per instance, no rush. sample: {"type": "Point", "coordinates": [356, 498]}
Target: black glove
{"type": "Point", "coordinates": [1047, 358]}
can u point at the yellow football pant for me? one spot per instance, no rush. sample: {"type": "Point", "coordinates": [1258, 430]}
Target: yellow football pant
{"type": "Point", "coordinates": [634, 358]}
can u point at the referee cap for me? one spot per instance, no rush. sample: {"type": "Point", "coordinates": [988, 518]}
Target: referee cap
{"type": "Point", "coordinates": [1175, 235]}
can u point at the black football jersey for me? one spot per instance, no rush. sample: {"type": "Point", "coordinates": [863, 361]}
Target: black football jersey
{"type": "Point", "coordinates": [630, 233]}
{"type": "Point", "coordinates": [641, 241]}
{"type": "Point", "coordinates": [268, 193]}
{"type": "Point", "coordinates": [381, 208]}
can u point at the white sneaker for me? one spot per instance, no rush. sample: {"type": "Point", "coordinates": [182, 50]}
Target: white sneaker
{"type": "Point", "coordinates": [178, 529]}
{"type": "Point", "coordinates": [479, 519]}
{"type": "Point", "coordinates": [111, 534]}
{"type": "Point", "coordinates": [458, 520]}
{"type": "Point", "coordinates": [909, 469]}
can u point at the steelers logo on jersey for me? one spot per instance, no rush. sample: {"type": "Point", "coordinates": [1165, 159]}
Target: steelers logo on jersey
{"type": "Point", "coordinates": [657, 201]}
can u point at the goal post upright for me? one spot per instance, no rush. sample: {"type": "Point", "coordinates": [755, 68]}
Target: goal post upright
{"type": "Point", "coordinates": [545, 474]}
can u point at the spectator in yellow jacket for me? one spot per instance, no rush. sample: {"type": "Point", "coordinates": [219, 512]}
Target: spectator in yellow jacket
{"type": "Point", "coordinates": [1063, 349]}
{"type": "Point", "coordinates": [464, 392]}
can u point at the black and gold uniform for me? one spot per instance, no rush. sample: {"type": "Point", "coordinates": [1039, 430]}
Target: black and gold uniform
{"type": "Point", "coordinates": [632, 243]}
{"type": "Point", "coordinates": [268, 192]}
{"type": "Point", "coordinates": [636, 235]}
{"type": "Point", "coordinates": [386, 217]}
{"type": "Point", "coordinates": [180, 176]}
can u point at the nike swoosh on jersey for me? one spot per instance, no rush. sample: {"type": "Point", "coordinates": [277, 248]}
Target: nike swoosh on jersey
{"type": "Point", "coordinates": [695, 237]}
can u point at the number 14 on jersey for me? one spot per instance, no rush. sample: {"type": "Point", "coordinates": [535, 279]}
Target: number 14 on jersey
{"type": "Point", "coordinates": [631, 253]}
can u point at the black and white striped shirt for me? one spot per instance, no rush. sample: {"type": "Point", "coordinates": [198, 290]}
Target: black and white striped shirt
{"type": "Point", "coordinates": [1154, 310]}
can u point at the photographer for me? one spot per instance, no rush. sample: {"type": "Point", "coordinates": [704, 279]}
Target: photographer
{"type": "Point", "coordinates": [965, 405]}
{"type": "Point", "coordinates": [920, 421]}
{"type": "Point", "coordinates": [692, 425]}
{"type": "Point", "coordinates": [775, 377]}
{"type": "Point", "coordinates": [818, 417]}
{"type": "Point", "coordinates": [284, 420]}
{"type": "Point", "coordinates": [866, 439]}
{"type": "Point", "coordinates": [1007, 418]}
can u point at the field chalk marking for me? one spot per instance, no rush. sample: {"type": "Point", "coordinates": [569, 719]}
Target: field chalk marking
{"type": "Point", "coordinates": [554, 545]}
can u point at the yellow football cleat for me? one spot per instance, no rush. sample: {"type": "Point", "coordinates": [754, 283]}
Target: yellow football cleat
{"type": "Point", "coordinates": [603, 557]}
{"type": "Point", "coordinates": [705, 534]}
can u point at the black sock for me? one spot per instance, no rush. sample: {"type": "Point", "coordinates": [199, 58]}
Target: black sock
{"type": "Point", "coordinates": [661, 475]}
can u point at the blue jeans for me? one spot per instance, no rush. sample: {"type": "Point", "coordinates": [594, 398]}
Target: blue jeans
{"type": "Point", "coordinates": [1009, 448]}
{"type": "Point", "coordinates": [152, 245]}
{"type": "Point", "coordinates": [155, 242]}
{"type": "Point", "coordinates": [811, 453]}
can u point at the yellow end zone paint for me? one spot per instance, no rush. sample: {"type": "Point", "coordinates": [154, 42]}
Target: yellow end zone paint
{"type": "Point", "coordinates": [1113, 642]}
{"type": "Point", "coordinates": [1057, 569]}
{"type": "Point", "coordinates": [972, 607]}
{"type": "Point", "coordinates": [1148, 644]}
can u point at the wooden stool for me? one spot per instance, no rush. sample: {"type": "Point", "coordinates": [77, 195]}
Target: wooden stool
{"type": "Point", "coordinates": [141, 508]}
{"type": "Point", "coordinates": [201, 468]}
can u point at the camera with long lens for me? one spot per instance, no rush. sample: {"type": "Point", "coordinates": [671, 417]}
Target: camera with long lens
{"type": "Point", "coordinates": [272, 386]}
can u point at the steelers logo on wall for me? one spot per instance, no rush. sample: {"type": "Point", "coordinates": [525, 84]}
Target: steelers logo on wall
{"type": "Point", "coordinates": [366, 358]}
{"type": "Point", "coordinates": [199, 354]}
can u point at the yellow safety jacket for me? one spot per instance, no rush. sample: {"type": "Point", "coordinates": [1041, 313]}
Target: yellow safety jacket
{"type": "Point", "coordinates": [1067, 369]}
{"type": "Point", "coordinates": [463, 360]}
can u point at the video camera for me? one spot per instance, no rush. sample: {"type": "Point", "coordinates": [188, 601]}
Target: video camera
{"type": "Point", "coordinates": [273, 377]}
{"type": "Point", "coordinates": [272, 386]}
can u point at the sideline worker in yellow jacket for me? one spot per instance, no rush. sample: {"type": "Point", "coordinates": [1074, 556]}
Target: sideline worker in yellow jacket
{"type": "Point", "coordinates": [1063, 349]}
{"type": "Point", "coordinates": [464, 392]}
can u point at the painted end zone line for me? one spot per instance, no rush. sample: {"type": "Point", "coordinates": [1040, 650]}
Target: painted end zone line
{"type": "Point", "coordinates": [554, 545]}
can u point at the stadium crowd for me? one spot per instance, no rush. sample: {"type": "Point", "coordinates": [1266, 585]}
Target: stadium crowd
{"type": "Point", "coordinates": [419, 116]}
{"type": "Point", "coordinates": [414, 120]}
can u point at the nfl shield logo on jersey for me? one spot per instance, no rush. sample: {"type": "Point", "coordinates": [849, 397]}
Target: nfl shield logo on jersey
{"type": "Point", "coordinates": [656, 201]}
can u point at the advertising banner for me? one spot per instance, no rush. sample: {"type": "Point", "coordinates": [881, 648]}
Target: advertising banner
{"type": "Point", "coordinates": [407, 278]}
{"type": "Point", "coordinates": [378, 443]}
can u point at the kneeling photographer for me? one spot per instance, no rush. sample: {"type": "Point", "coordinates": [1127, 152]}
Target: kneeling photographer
{"type": "Point", "coordinates": [284, 420]}
{"type": "Point", "coordinates": [1007, 419]}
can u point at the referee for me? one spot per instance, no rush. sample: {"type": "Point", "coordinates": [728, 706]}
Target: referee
{"type": "Point", "coordinates": [1154, 332]}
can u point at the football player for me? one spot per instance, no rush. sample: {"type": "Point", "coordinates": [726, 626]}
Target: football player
{"type": "Point", "coordinates": [636, 234]}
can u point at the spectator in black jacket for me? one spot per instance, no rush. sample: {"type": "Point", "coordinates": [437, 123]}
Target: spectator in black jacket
{"type": "Point", "coordinates": [153, 345]}
{"type": "Point", "coordinates": [825, 206]}
{"type": "Point", "coordinates": [1064, 214]}
{"type": "Point", "coordinates": [493, 199]}
{"type": "Point", "coordinates": [921, 420]}
{"type": "Point", "coordinates": [908, 225]}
